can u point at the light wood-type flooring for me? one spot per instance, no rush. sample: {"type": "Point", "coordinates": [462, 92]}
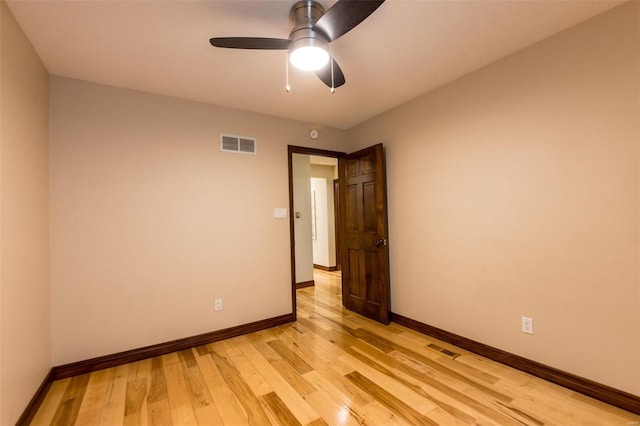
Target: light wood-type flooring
{"type": "Point", "coordinates": [330, 367]}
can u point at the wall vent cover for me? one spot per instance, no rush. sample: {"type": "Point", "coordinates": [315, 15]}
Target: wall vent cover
{"type": "Point", "coordinates": [238, 144]}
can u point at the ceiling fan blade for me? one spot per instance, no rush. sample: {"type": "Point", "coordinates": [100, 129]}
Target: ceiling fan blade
{"type": "Point", "coordinates": [251, 43]}
{"type": "Point", "coordinates": [324, 74]}
{"type": "Point", "coordinates": [344, 15]}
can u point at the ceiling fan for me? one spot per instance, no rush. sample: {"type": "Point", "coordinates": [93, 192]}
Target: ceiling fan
{"type": "Point", "coordinates": [308, 43]}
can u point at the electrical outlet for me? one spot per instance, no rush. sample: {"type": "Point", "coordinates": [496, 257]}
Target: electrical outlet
{"type": "Point", "coordinates": [527, 325]}
{"type": "Point", "coordinates": [217, 305]}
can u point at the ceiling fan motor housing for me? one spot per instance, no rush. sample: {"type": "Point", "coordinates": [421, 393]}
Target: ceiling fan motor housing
{"type": "Point", "coordinates": [304, 15]}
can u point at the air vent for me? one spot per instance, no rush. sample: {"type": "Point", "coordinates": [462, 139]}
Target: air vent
{"type": "Point", "coordinates": [447, 352]}
{"type": "Point", "coordinates": [238, 144]}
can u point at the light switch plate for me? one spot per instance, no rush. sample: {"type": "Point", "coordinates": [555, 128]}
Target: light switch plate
{"type": "Point", "coordinates": [280, 213]}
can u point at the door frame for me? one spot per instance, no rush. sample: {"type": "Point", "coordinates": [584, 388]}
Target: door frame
{"type": "Point", "coordinates": [338, 221]}
{"type": "Point", "coordinates": [293, 149]}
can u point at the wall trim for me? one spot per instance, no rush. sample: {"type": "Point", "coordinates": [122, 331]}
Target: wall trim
{"type": "Point", "coordinates": [32, 408]}
{"type": "Point", "coordinates": [601, 392]}
{"type": "Point", "coordinates": [305, 284]}
{"type": "Point", "coordinates": [114, 360]}
{"type": "Point", "coordinates": [325, 268]}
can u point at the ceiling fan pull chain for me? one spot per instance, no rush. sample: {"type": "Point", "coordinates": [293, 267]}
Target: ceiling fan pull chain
{"type": "Point", "coordinates": [333, 87]}
{"type": "Point", "coordinates": [287, 88]}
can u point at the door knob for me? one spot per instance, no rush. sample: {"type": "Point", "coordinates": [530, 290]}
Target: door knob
{"type": "Point", "coordinates": [381, 242]}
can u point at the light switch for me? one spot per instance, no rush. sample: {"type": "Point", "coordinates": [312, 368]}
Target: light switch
{"type": "Point", "coordinates": [280, 213]}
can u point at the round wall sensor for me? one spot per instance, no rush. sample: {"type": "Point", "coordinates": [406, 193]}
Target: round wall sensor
{"type": "Point", "coordinates": [313, 134]}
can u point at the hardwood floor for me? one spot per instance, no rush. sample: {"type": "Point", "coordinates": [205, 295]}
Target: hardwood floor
{"type": "Point", "coordinates": [330, 367]}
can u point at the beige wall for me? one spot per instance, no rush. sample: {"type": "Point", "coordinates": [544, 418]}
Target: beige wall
{"type": "Point", "coordinates": [150, 221]}
{"type": "Point", "coordinates": [514, 191]}
{"type": "Point", "coordinates": [324, 246]}
{"type": "Point", "coordinates": [25, 333]}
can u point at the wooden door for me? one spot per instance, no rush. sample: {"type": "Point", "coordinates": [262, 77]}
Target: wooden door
{"type": "Point", "coordinates": [364, 249]}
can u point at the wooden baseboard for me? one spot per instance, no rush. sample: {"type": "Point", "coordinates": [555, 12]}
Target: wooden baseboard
{"type": "Point", "coordinates": [305, 284]}
{"type": "Point", "coordinates": [601, 392]}
{"type": "Point", "coordinates": [32, 408]}
{"type": "Point", "coordinates": [113, 360]}
{"type": "Point", "coordinates": [108, 361]}
{"type": "Point", "coordinates": [325, 268]}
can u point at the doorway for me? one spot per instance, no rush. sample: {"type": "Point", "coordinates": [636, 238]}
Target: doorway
{"type": "Point", "coordinates": [363, 231]}
{"type": "Point", "coordinates": [309, 219]}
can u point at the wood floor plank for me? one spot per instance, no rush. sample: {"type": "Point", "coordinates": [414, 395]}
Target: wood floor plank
{"type": "Point", "coordinates": [67, 411]}
{"type": "Point", "coordinates": [462, 400]}
{"type": "Point", "coordinates": [388, 346]}
{"type": "Point", "coordinates": [314, 345]}
{"type": "Point", "coordinates": [330, 367]}
{"type": "Point", "coordinates": [346, 407]}
{"type": "Point", "coordinates": [170, 358]}
{"type": "Point", "coordinates": [94, 399]}
{"type": "Point", "coordinates": [202, 350]}
{"type": "Point", "coordinates": [278, 410]}
{"type": "Point", "coordinates": [298, 364]}
{"type": "Point", "coordinates": [197, 388]}
{"type": "Point", "coordinates": [49, 406]}
{"type": "Point", "coordinates": [336, 337]}
{"type": "Point", "coordinates": [330, 312]}
{"type": "Point", "coordinates": [139, 369]}
{"type": "Point", "coordinates": [181, 407]}
{"type": "Point", "coordinates": [159, 413]}
{"type": "Point", "coordinates": [441, 393]}
{"type": "Point", "coordinates": [594, 406]}
{"type": "Point", "coordinates": [347, 336]}
{"type": "Point", "coordinates": [298, 406]}
{"type": "Point", "coordinates": [560, 407]}
{"type": "Point", "coordinates": [331, 410]}
{"type": "Point", "coordinates": [446, 401]}
{"type": "Point", "coordinates": [158, 406]}
{"type": "Point", "coordinates": [292, 377]}
{"type": "Point", "coordinates": [227, 405]}
{"type": "Point", "coordinates": [318, 422]}
{"type": "Point", "coordinates": [136, 395]}
{"type": "Point", "coordinates": [325, 361]}
{"type": "Point", "coordinates": [201, 400]}
{"type": "Point", "coordinates": [376, 375]}
{"type": "Point", "coordinates": [313, 348]}
{"type": "Point", "coordinates": [260, 342]}
{"type": "Point", "coordinates": [188, 359]}
{"type": "Point", "coordinates": [248, 371]}
{"type": "Point", "coordinates": [418, 344]}
{"type": "Point", "coordinates": [389, 400]}
{"type": "Point", "coordinates": [115, 399]}
{"type": "Point", "coordinates": [158, 386]}
{"type": "Point", "coordinates": [241, 390]}
{"type": "Point", "coordinates": [447, 374]}
{"type": "Point", "coordinates": [380, 415]}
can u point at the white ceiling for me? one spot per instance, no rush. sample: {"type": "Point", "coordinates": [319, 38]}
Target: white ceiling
{"type": "Point", "coordinates": [406, 48]}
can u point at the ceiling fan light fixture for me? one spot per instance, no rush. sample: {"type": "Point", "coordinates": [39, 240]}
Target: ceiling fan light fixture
{"type": "Point", "coordinates": [309, 54]}
{"type": "Point", "coordinates": [308, 43]}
